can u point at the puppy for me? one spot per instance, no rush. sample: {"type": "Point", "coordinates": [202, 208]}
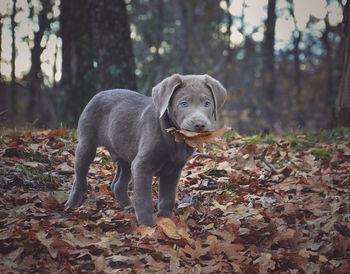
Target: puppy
{"type": "Point", "coordinates": [132, 128]}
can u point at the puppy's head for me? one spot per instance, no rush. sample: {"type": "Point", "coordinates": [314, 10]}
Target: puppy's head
{"type": "Point", "coordinates": [191, 101]}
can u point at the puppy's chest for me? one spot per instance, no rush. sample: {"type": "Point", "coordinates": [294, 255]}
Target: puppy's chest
{"type": "Point", "coordinates": [175, 161]}
{"type": "Point", "coordinates": [181, 153]}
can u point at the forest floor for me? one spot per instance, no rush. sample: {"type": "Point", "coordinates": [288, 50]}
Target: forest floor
{"type": "Point", "coordinates": [234, 213]}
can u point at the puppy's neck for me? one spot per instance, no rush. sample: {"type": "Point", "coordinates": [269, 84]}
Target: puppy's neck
{"type": "Point", "coordinates": [169, 122]}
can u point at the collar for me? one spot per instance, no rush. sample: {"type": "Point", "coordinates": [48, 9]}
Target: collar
{"type": "Point", "coordinates": [169, 121]}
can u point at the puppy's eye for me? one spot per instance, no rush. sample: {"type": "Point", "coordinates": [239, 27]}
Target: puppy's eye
{"type": "Point", "coordinates": [207, 103]}
{"type": "Point", "coordinates": [184, 104]}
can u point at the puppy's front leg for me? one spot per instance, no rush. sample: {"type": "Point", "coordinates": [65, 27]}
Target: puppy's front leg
{"type": "Point", "coordinates": [143, 201]}
{"type": "Point", "coordinates": [167, 193]}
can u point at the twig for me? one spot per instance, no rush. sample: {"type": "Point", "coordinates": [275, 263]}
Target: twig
{"type": "Point", "coordinates": [262, 158]}
{"type": "Point", "coordinates": [207, 156]}
{"type": "Point", "coordinates": [70, 172]}
{"type": "Point", "coordinates": [210, 179]}
{"type": "Point", "coordinates": [212, 186]}
{"type": "Point", "coordinates": [3, 112]}
{"type": "Point", "coordinates": [206, 213]}
{"type": "Point", "coordinates": [65, 172]}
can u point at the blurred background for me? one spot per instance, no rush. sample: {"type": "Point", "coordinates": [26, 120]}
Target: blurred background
{"type": "Point", "coordinates": [285, 63]}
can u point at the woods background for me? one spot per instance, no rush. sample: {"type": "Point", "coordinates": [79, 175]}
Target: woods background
{"type": "Point", "coordinates": [55, 55]}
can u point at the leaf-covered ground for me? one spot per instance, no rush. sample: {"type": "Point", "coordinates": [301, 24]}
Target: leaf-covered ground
{"type": "Point", "coordinates": [234, 214]}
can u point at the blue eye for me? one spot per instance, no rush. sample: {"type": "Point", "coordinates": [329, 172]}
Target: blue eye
{"type": "Point", "coordinates": [184, 104]}
{"type": "Point", "coordinates": [207, 104]}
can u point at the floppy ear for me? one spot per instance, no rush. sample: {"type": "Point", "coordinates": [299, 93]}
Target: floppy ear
{"type": "Point", "coordinates": [217, 90]}
{"type": "Point", "coordinates": [162, 92]}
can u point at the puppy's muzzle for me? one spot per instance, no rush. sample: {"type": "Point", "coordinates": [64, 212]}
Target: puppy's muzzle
{"type": "Point", "coordinates": [199, 126]}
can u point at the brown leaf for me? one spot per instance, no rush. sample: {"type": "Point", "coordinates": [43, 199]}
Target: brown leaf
{"type": "Point", "coordinates": [104, 188]}
{"type": "Point", "coordinates": [57, 132]}
{"type": "Point", "coordinates": [42, 237]}
{"type": "Point", "coordinates": [61, 244]}
{"type": "Point", "coordinates": [65, 167]}
{"type": "Point", "coordinates": [265, 263]}
{"type": "Point", "coordinates": [51, 202]}
{"type": "Point", "coordinates": [198, 250]}
{"type": "Point", "coordinates": [171, 230]}
{"type": "Point", "coordinates": [105, 172]}
{"type": "Point", "coordinates": [197, 139]}
{"type": "Point", "coordinates": [146, 231]}
{"type": "Point", "coordinates": [15, 254]}
{"type": "Point", "coordinates": [32, 164]}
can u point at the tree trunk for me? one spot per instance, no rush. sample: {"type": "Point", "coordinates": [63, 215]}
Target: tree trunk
{"type": "Point", "coordinates": [35, 76]}
{"type": "Point", "coordinates": [228, 70]}
{"type": "Point", "coordinates": [268, 51]}
{"type": "Point", "coordinates": [185, 17]}
{"type": "Point", "coordinates": [78, 83]}
{"type": "Point", "coordinates": [13, 93]}
{"type": "Point", "coordinates": [297, 72]}
{"type": "Point", "coordinates": [268, 65]}
{"type": "Point", "coordinates": [330, 93]}
{"type": "Point", "coordinates": [1, 24]}
{"type": "Point", "coordinates": [342, 105]}
{"type": "Point", "coordinates": [297, 78]}
{"type": "Point", "coordinates": [97, 53]}
{"type": "Point", "coordinates": [112, 45]}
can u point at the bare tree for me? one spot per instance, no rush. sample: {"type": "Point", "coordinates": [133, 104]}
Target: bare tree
{"type": "Point", "coordinates": [227, 39]}
{"type": "Point", "coordinates": [268, 50]}
{"type": "Point", "coordinates": [268, 64]}
{"type": "Point", "coordinates": [35, 76]}
{"type": "Point", "coordinates": [1, 24]}
{"type": "Point", "coordinates": [12, 96]}
{"type": "Point", "coordinates": [78, 82]}
{"type": "Point", "coordinates": [186, 19]}
{"type": "Point", "coordinates": [97, 53]}
{"type": "Point", "coordinates": [342, 105]}
{"type": "Point", "coordinates": [113, 49]}
{"type": "Point", "coordinates": [297, 38]}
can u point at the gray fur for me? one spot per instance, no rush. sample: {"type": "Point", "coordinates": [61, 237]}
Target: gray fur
{"type": "Point", "coordinates": [132, 128]}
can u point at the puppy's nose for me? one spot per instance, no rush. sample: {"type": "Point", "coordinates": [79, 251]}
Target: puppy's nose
{"type": "Point", "coordinates": [199, 126]}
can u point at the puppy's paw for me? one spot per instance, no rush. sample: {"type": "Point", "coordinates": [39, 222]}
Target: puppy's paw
{"type": "Point", "coordinates": [123, 200]}
{"type": "Point", "coordinates": [146, 220]}
{"type": "Point", "coordinates": [75, 199]}
{"type": "Point", "coordinates": [165, 213]}
{"type": "Point", "coordinates": [124, 203]}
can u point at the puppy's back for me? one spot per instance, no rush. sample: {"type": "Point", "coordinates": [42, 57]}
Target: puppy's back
{"type": "Point", "coordinates": [111, 113]}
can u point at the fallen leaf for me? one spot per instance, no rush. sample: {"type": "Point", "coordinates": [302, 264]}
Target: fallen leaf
{"type": "Point", "coordinates": [265, 262]}
{"type": "Point", "coordinates": [118, 258]}
{"type": "Point", "coordinates": [65, 167]}
{"type": "Point", "coordinates": [60, 196]}
{"type": "Point", "coordinates": [104, 189]}
{"type": "Point", "coordinates": [254, 221]}
{"type": "Point", "coordinates": [171, 230]}
{"type": "Point", "coordinates": [197, 139]}
{"type": "Point", "coordinates": [42, 237]}
{"type": "Point", "coordinates": [105, 172]}
{"type": "Point", "coordinates": [32, 164]}
{"type": "Point", "coordinates": [145, 231]}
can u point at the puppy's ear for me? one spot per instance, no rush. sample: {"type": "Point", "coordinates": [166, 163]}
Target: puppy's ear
{"type": "Point", "coordinates": [217, 90]}
{"type": "Point", "coordinates": [162, 92]}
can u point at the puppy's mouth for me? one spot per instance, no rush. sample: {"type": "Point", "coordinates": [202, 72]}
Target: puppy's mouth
{"type": "Point", "coordinates": [198, 129]}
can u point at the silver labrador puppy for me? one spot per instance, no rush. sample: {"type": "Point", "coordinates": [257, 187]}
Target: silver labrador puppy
{"type": "Point", "coordinates": [132, 128]}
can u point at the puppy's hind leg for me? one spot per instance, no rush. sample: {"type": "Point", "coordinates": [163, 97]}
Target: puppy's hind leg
{"type": "Point", "coordinates": [84, 155]}
{"type": "Point", "coordinates": [116, 176]}
{"type": "Point", "coordinates": [120, 184]}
